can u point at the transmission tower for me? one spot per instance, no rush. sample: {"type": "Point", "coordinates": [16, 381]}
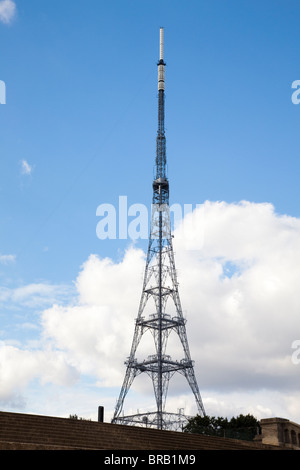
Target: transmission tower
{"type": "Point", "coordinates": [160, 289]}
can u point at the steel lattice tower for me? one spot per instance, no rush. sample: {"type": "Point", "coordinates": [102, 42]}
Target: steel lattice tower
{"type": "Point", "coordinates": [161, 286]}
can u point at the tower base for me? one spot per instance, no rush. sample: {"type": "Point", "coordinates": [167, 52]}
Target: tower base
{"type": "Point", "coordinates": [167, 421]}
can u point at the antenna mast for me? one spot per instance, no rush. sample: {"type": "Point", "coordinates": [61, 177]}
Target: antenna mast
{"type": "Point", "coordinates": [160, 292]}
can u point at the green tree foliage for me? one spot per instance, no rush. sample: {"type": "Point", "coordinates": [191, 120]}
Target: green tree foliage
{"type": "Point", "coordinates": [243, 427]}
{"type": "Point", "coordinates": [75, 417]}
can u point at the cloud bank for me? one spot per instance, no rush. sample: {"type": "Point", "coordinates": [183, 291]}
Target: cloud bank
{"type": "Point", "coordinates": [238, 269]}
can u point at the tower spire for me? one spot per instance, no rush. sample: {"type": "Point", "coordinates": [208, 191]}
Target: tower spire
{"type": "Point", "coordinates": [159, 295]}
{"type": "Point", "coordinates": [161, 44]}
{"type": "Point", "coordinates": [161, 139]}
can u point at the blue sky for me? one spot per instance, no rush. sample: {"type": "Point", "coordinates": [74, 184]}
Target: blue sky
{"type": "Point", "coordinates": [79, 125]}
{"type": "Point", "coordinates": [81, 109]}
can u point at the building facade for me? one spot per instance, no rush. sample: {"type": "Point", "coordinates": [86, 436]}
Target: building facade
{"type": "Point", "coordinates": [280, 432]}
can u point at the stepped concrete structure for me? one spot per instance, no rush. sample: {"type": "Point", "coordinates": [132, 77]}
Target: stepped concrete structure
{"type": "Point", "coordinates": [34, 432]}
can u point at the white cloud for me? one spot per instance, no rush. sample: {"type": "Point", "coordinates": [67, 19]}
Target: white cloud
{"type": "Point", "coordinates": [243, 320]}
{"type": "Point", "coordinates": [96, 333]}
{"type": "Point", "coordinates": [19, 367]}
{"type": "Point", "coordinates": [36, 295]}
{"type": "Point", "coordinates": [238, 272]}
{"type": "Point", "coordinates": [7, 259]}
{"type": "Point", "coordinates": [7, 11]}
{"type": "Point", "coordinates": [239, 285]}
{"type": "Point", "coordinates": [26, 169]}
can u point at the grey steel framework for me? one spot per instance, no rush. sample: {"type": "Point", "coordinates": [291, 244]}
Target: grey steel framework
{"type": "Point", "coordinates": [160, 285]}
